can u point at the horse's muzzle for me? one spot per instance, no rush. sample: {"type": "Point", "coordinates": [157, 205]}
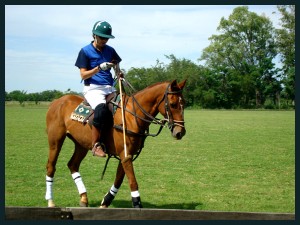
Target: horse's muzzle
{"type": "Point", "coordinates": [178, 132]}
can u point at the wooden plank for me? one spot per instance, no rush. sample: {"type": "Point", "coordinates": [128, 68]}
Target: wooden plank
{"type": "Point", "coordinates": [169, 214]}
{"type": "Point", "coordinates": [74, 213]}
{"type": "Point", "coordinates": [36, 213]}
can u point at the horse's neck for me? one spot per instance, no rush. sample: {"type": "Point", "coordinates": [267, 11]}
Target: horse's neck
{"type": "Point", "coordinates": [150, 97]}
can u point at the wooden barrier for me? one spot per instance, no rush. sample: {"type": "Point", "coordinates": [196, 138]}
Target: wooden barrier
{"type": "Point", "coordinates": [72, 213]}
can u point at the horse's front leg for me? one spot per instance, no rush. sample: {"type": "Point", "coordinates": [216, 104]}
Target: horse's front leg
{"type": "Point", "coordinates": [129, 171]}
{"type": "Point", "coordinates": [110, 195]}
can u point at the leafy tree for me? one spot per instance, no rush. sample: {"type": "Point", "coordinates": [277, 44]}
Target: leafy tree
{"type": "Point", "coordinates": [49, 95]}
{"type": "Point", "coordinates": [140, 78]}
{"type": "Point", "coordinates": [7, 96]}
{"type": "Point", "coordinates": [178, 69]}
{"type": "Point", "coordinates": [18, 95]}
{"type": "Point", "coordinates": [241, 55]}
{"type": "Point", "coordinates": [36, 97]}
{"type": "Point", "coordinates": [181, 69]}
{"type": "Point", "coordinates": [286, 48]}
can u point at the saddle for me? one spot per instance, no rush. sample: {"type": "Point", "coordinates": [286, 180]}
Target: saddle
{"type": "Point", "coordinates": [84, 113]}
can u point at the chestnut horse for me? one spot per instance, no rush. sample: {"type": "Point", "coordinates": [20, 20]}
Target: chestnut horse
{"type": "Point", "coordinates": [139, 111]}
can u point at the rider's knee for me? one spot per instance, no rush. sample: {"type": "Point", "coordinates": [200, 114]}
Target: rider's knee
{"type": "Point", "coordinates": [102, 116]}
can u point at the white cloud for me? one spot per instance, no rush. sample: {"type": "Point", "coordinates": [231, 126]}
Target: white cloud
{"type": "Point", "coordinates": [42, 42]}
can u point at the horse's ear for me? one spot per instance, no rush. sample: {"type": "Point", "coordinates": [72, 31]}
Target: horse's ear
{"type": "Point", "coordinates": [182, 84]}
{"type": "Point", "coordinates": [173, 84]}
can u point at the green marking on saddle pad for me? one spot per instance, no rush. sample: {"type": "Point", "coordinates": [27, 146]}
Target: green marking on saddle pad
{"type": "Point", "coordinates": [81, 112]}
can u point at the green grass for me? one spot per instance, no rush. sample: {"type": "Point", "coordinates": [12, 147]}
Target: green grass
{"type": "Point", "coordinates": [228, 161]}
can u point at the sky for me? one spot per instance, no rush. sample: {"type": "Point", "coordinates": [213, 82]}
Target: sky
{"type": "Point", "coordinates": [42, 41]}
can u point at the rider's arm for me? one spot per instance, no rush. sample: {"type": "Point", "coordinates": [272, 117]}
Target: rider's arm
{"type": "Point", "coordinates": [85, 74]}
{"type": "Point", "coordinates": [118, 71]}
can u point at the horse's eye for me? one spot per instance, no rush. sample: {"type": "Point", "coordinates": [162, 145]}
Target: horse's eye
{"type": "Point", "coordinates": [173, 105]}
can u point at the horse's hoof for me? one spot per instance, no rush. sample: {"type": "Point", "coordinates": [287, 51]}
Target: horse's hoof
{"type": "Point", "coordinates": [51, 203]}
{"type": "Point", "coordinates": [103, 207]}
{"type": "Point", "coordinates": [83, 204]}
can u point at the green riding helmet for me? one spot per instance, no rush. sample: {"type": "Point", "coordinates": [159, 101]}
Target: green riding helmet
{"type": "Point", "coordinates": [102, 29]}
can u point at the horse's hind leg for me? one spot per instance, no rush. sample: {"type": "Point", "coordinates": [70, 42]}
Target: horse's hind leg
{"type": "Point", "coordinates": [55, 141]}
{"type": "Point", "coordinates": [74, 165]}
{"type": "Point", "coordinates": [110, 195]}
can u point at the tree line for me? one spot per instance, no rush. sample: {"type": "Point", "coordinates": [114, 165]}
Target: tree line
{"type": "Point", "coordinates": [237, 70]}
{"type": "Point", "coordinates": [44, 96]}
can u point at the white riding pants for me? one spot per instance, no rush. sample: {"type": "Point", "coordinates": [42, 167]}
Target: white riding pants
{"type": "Point", "coordinates": [96, 94]}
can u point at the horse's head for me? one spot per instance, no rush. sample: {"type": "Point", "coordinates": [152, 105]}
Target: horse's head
{"type": "Point", "coordinates": [172, 108]}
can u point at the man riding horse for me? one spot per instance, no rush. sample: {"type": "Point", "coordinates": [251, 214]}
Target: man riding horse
{"type": "Point", "coordinates": [95, 62]}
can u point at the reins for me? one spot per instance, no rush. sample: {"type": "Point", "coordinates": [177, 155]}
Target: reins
{"type": "Point", "coordinates": [149, 119]}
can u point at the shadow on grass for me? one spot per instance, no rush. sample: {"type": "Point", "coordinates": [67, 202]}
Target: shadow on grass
{"type": "Point", "coordinates": [128, 204]}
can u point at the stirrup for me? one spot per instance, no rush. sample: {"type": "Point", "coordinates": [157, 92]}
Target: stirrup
{"type": "Point", "coordinates": [98, 148]}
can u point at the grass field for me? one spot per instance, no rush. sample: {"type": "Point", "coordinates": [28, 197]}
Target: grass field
{"type": "Point", "coordinates": [228, 161]}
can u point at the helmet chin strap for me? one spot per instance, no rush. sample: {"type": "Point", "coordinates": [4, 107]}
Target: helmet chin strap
{"type": "Point", "coordinates": [95, 40]}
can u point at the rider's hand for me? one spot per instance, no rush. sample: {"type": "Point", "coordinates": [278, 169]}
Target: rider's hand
{"type": "Point", "coordinates": [105, 66]}
{"type": "Point", "coordinates": [121, 75]}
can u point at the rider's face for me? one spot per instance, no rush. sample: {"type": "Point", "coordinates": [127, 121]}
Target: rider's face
{"type": "Point", "coordinates": [100, 41]}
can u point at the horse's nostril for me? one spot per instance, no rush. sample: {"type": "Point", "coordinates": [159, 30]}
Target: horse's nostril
{"type": "Point", "coordinates": [178, 135]}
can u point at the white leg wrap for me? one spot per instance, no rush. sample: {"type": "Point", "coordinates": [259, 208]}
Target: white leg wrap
{"type": "Point", "coordinates": [135, 194]}
{"type": "Point", "coordinates": [113, 190]}
{"type": "Point", "coordinates": [49, 185]}
{"type": "Point", "coordinates": [79, 183]}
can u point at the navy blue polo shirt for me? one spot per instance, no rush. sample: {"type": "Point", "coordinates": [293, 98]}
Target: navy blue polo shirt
{"type": "Point", "coordinates": [89, 57]}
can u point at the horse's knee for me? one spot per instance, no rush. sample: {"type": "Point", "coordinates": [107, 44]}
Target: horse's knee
{"type": "Point", "coordinates": [129, 171]}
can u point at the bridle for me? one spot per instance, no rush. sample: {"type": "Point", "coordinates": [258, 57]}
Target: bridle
{"type": "Point", "coordinates": [168, 113]}
{"type": "Point", "coordinates": [168, 117]}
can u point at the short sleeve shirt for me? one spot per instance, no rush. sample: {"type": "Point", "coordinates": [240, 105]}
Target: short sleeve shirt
{"type": "Point", "coordinates": [89, 57]}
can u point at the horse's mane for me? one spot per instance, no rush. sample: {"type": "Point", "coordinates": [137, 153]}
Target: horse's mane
{"type": "Point", "coordinates": [151, 86]}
